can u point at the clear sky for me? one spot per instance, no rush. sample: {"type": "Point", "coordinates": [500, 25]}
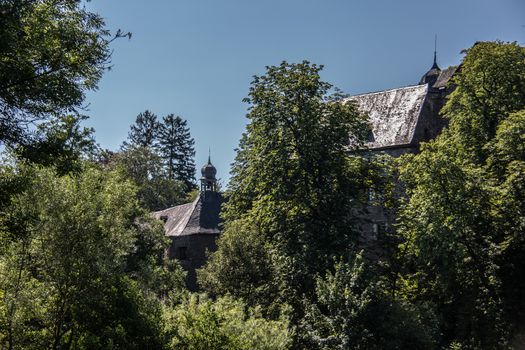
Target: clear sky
{"type": "Point", "coordinates": [196, 58]}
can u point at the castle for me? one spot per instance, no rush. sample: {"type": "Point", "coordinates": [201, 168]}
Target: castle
{"type": "Point", "coordinates": [400, 120]}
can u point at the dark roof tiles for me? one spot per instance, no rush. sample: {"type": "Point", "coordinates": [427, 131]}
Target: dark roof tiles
{"type": "Point", "coordinates": [198, 217]}
{"type": "Point", "coordinates": [445, 77]}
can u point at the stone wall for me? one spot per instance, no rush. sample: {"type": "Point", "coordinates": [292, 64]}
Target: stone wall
{"type": "Point", "coordinates": [191, 252]}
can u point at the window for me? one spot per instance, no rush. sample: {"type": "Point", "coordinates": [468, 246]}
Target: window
{"type": "Point", "coordinates": [374, 197]}
{"type": "Point", "coordinates": [375, 231]}
{"type": "Point", "coordinates": [182, 253]}
{"type": "Point", "coordinates": [371, 195]}
{"type": "Point", "coordinates": [378, 229]}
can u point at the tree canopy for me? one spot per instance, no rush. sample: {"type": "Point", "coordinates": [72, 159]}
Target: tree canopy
{"type": "Point", "coordinates": [463, 219]}
{"type": "Point", "coordinates": [51, 53]}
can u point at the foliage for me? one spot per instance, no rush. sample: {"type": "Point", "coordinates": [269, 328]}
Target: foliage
{"type": "Point", "coordinates": [199, 323]}
{"type": "Point", "coordinates": [353, 312]}
{"type": "Point", "coordinates": [76, 262]}
{"type": "Point", "coordinates": [241, 267]}
{"type": "Point", "coordinates": [61, 143]}
{"type": "Point", "coordinates": [175, 147]}
{"type": "Point", "coordinates": [463, 220]}
{"type": "Point", "coordinates": [144, 132]}
{"type": "Point", "coordinates": [490, 86]}
{"type": "Point", "coordinates": [51, 52]}
{"type": "Point", "coordinates": [145, 168]}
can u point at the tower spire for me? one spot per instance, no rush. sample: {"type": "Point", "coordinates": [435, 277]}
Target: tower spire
{"type": "Point", "coordinates": [434, 65]}
{"type": "Point", "coordinates": [208, 180]}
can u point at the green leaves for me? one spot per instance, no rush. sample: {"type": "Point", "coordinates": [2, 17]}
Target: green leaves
{"type": "Point", "coordinates": [51, 52]}
{"type": "Point", "coordinates": [353, 312]}
{"type": "Point", "coordinates": [294, 193]}
{"type": "Point", "coordinates": [81, 264]}
{"type": "Point", "coordinates": [199, 323]}
{"type": "Point", "coordinates": [462, 209]}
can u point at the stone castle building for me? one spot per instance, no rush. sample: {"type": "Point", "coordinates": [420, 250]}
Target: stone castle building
{"type": "Point", "coordinates": [194, 227]}
{"type": "Point", "coordinates": [400, 119]}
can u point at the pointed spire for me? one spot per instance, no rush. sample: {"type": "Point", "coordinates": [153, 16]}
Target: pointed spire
{"type": "Point", "coordinates": [434, 65]}
{"type": "Point", "coordinates": [208, 180]}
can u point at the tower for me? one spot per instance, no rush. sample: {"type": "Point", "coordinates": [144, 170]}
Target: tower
{"type": "Point", "coordinates": [208, 180]}
{"type": "Point", "coordinates": [432, 75]}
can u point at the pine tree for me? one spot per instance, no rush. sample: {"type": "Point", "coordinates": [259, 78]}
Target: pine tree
{"type": "Point", "coordinates": [144, 132]}
{"type": "Point", "coordinates": [175, 146]}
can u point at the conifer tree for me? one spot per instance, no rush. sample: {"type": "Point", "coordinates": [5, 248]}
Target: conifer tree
{"type": "Point", "coordinates": [175, 146]}
{"type": "Point", "coordinates": [144, 132]}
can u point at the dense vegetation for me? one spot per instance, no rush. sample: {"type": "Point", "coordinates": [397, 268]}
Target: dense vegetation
{"type": "Point", "coordinates": [82, 263]}
{"type": "Point", "coordinates": [158, 157]}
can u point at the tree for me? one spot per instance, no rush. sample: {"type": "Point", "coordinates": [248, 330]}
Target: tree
{"type": "Point", "coordinates": [145, 168]}
{"type": "Point", "coordinates": [293, 192]}
{"type": "Point", "coordinates": [354, 312]}
{"type": "Point", "coordinates": [51, 53]}
{"type": "Point", "coordinates": [144, 132]}
{"type": "Point", "coordinates": [490, 86]}
{"type": "Point", "coordinates": [242, 267]}
{"type": "Point", "coordinates": [199, 323]}
{"type": "Point", "coordinates": [175, 146]}
{"type": "Point", "coordinates": [77, 263]}
{"type": "Point", "coordinates": [61, 142]}
{"type": "Point", "coordinates": [463, 214]}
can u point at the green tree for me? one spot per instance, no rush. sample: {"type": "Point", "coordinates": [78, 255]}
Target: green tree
{"type": "Point", "coordinates": [144, 132]}
{"type": "Point", "coordinates": [199, 323]}
{"type": "Point", "coordinates": [175, 146]}
{"type": "Point", "coordinates": [353, 311]}
{"type": "Point", "coordinates": [78, 262]}
{"type": "Point", "coordinates": [490, 86]}
{"type": "Point", "coordinates": [294, 191]}
{"type": "Point", "coordinates": [61, 142]}
{"type": "Point", "coordinates": [51, 53]}
{"type": "Point", "coordinates": [242, 267]}
{"type": "Point", "coordinates": [463, 219]}
{"type": "Point", "coordinates": [146, 169]}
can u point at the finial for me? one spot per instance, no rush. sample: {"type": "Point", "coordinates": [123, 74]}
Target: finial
{"type": "Point", "coordinates": [434, 65]}
{"type": "Point", "coordinates": [209, 155]}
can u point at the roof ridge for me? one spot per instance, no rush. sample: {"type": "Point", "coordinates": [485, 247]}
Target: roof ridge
{"type": "Point", "coordinates": [387, 90]}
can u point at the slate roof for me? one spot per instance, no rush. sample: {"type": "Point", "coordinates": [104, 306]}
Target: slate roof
{"type": "Point", "coordinates": [198, 217]}
{"type": "Point", "coordinates": [393, 114]}
{"type": "Point", "coordinates": [445, 76]}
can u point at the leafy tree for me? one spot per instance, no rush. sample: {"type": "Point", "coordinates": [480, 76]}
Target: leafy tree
{"type": "Point", "coordinates": [199, 323]}
{"type": "Point", "coordinates": [51, 52]}
{"type": "Point", "coordinates": [463, 216]}
{"type": "Point", "coordinates": [77, 263]}
{"type": "Point", "coordinates": [294, 191]}
{"type": "Point", "coordinates": [175, 146]}
{"type": "Point", "coordinates": [145, 168]}
{"type": "Point", "coordinates": [490, 86]}
{"type": "Point", "coordinates": [144, 132]}
{"type": "Point", "coordinates": [353, 312]}
{"type": "Point", "coordinates": [242, 267]}
{"type": "Point", "coordinates": [61, 142]}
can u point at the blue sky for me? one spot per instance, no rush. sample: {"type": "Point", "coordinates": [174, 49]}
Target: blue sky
{"type": "Point", "coordinates": [196, 58]}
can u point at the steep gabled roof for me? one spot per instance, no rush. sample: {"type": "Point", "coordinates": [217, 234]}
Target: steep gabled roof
{"type": "Point", "coordinates": [198, 217]}
{"type": "Point", "coordinates": [393, 114]}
